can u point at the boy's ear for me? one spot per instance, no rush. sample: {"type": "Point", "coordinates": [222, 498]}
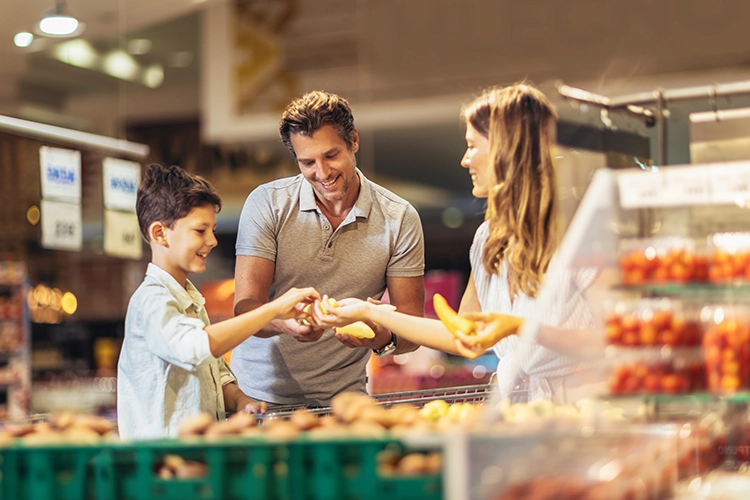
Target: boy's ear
{"type": "Point", "coordinates": [157, 233]}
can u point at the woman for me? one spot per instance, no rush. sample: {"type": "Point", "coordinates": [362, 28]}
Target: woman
{"type": "Point", "coordinates": [509, 136]}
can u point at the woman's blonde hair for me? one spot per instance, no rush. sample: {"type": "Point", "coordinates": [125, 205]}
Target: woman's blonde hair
{"type": "Point", "coordinates": [522, 202]}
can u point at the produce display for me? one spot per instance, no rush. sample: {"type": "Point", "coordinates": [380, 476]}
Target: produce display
{"type": "Point", "coordinates": [661, 260]}
{"type": "Point", "coordinates": [730, 257]}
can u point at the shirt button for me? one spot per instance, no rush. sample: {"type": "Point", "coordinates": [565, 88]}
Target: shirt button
{"type": "Point", "coordinates": [326, 228]}
{"type": "Point", "coordinates": [329, 245]}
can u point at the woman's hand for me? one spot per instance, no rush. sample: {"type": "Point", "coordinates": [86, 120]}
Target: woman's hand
{"type": "Point", "coordinates": [491, 329]}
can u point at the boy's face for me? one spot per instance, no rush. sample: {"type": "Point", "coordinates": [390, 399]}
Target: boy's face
{"type": "Point", "coordinates": [189, 242]}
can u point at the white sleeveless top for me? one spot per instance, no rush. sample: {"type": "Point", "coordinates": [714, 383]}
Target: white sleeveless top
{"type": "Point", "coordinates": [524, 364]}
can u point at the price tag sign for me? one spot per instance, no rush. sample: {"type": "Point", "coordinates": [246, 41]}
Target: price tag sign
{"type": "Point", "coordinates": [122, 236]}
{"type": "Point", "coordinates": [120, 183]}
{"type": "Point", "coordinates": [639, 189]}
{"type": "Point", "coordinates": [62, 228]}
{"type": "Point", "coordinates": [60, 174]}
{"type": "Point", "coordinates": [730, 184]}
{"type": "Point", "coordinates": [683, 186]}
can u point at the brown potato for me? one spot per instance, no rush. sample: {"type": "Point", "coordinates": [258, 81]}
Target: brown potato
{"type": "Point", "coordinates": [79, 433]}
{"type": "Point", "coordinates": [347, 405]}
{"type": "Point", "coordinates": [282, 431]}
{"type": "Point", "coordinates": [304, 419]}
{"type": "Point", "coordinates": [221, 429]}
{"type": "Point", "coordinates": [367, 429]}
{"type": "Point", "coordinates": [196, 424]}
{"type": "Point", "coordinates": [242, 420]}
{"type": "Point", "coordinates": [172, 462]}
{"type": "Point", "coordinates": [191, 469]}
{"type": "Point", "coordinates": [412, 464]}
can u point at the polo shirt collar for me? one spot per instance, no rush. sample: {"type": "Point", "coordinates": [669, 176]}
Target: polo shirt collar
{"type": "Point", "coordinates": [361, 207]}
{"type": "Point", "coordinates": [185, 296]}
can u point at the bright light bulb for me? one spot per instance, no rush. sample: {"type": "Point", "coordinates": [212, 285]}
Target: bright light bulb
{"type": "Point", "coordinates": [23, 39]}
{"type": "Point", "coordinates": [76, 53]}
{"type": "Point", "coordinates": [69, 303]}
{"type": "Point", "coordinates": [154, 76]}
{"type": "Point", "coordinates": [58, 25]}
{"type": "Point", "coordinates": [120, 65]}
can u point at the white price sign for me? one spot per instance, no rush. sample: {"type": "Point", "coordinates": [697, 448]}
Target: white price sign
{"type": "Point", "coordinates": [122, 235]}
{"type": "Point", "coordinates": [730, 184]}
{"type": "Point", "coordinates": [685, 186]}
{"type": "Point", "coordinates": [121, 179]}
{"type": "Point", "coordinates": [639, 189]}
{"type": "Point", "coordinates": [60, 174]}
{"type": "Point", "coordinates": [62, 228]}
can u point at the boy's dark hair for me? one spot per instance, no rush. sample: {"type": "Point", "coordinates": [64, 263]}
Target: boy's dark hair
{"type": "Point", "coordinates": [308, 113]}
{"type": "Point", "coordinates": [167, 194]}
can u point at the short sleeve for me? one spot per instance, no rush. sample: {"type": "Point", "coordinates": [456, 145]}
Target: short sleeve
{"type": "Point", "coordinates": [256, 235]}
{"type": "Point", "coordinates": [407, 258]}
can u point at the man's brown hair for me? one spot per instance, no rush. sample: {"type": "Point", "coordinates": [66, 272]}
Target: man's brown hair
{"type": "Point", "coordinates": [167, 194]}
{"type": "Point", "coordinates": [308, 113]}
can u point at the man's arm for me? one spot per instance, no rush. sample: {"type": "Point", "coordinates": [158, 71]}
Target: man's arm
{"type": "Point", "coordinates": [407, 294]}
{"type": "Point", "coordinates": [252, 278]}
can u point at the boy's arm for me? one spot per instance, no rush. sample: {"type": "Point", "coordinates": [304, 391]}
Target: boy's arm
{"type": "Point", "coordinates": [226, 335]}
{"type": "Point", "coordinates": [253, 277]}
{"type": "Point", "coordinates": [235, 400]}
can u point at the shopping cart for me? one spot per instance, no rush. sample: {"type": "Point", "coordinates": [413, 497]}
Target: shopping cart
{"type": "Point", "coordinates": [458, 394]}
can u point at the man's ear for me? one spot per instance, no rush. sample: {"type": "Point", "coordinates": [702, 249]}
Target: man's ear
{"type": "Point", "coordinates": [355, 141]}
{"type": "Point", "coordinates": [157, 233]}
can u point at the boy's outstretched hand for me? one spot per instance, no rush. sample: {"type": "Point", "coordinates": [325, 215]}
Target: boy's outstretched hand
{"type": "Point", "coordinates": [492, 328]}
{"type": "Point", "coordinates": [293, 302]}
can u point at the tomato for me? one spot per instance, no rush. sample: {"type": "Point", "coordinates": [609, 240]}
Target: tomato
{"type": "Point", "coordinates": [673, 383]}
{"type": "Point", "coordinates": [649, 335]}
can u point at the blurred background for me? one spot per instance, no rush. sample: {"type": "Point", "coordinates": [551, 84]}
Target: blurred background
{"type": "Point", "coordinates": [203, 85]}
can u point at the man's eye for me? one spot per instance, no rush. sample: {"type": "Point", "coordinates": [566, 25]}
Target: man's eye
{"type": "Point", "coordinates": [201, 231]}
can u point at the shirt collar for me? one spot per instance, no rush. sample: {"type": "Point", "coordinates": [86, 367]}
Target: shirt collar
{"type": "Point", "coordinates": [185, 296]}
{"type": "Point", "coordinates": [361, 207]}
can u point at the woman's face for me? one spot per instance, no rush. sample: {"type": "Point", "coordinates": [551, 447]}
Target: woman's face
{"type": "Point", "coordinates": [476, 159]}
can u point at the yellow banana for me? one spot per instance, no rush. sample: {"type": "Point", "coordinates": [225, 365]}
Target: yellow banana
{"type": "Point", "coordinates": [308, 309]}
{"type": "Point", "coordinates": [452, 321]}
{"type": "Point", "coordinates": [357, 329]}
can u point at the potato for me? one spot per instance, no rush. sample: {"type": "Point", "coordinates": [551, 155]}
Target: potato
{"type": "Point", "coordinates": [347, 405]}
{"type": "Point", "coordinates": [79, 433]}
{"type": "Point", "coordinates": [191, 469]}
{"type": "Point", "coordinates": [172, 462]}
{"type": "Point", "coordinates": [282, 431]}
{"type": "Point", "coordinates": [196, 424]}
{"type": "Point", "coordinates": [221, 429]}
{"type": "Point", "coordinates": [241, 421]}
{"type": "Point", "coordinates": [304, 419]}
{"type": "Point", "coordinates": [367, 429]}
{"type": "Point", "coordinates": [434, 463]}
{"type": "Point", "coordinates": [412, 464]}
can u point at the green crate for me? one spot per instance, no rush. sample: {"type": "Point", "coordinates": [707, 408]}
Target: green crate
{"type": "Point", "coordinates": [237, 469]}
{"type": "Point", "coordinates": [46, 472]}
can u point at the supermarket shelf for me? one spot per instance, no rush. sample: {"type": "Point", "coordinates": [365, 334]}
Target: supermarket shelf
{"type": "Point", "coordinates": [687, 289]}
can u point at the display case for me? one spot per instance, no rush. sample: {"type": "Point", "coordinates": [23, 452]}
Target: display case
{"type": "Point", "coordinates": [15, 364]}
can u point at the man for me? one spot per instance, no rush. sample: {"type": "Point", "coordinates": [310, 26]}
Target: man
{"type": "Point", "coordinates": [334, 230]}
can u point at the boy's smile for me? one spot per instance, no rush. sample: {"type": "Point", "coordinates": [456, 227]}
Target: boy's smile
{"type": "Point", "coordinates": [188, 243]}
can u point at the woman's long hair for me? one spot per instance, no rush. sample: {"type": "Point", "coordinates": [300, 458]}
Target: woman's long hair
{"type": "Point", "coordinates": [522, 202]}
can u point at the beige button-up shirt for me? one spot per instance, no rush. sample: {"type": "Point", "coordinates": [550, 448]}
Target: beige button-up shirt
{"type": "Point", "coordinates": [166, 371]}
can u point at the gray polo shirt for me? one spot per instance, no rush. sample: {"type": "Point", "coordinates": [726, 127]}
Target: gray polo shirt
{"type": "Point", "coordinates": [381, 236]}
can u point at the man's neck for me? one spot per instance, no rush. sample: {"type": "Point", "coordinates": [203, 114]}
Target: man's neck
{"type": "Point", "coordinates": [337, 210]}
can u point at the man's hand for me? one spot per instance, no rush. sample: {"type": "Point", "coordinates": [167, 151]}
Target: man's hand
{"type": "Point", "coordinates": [492, 328]}
{"type": "Point", "coordinates": [300, 332]}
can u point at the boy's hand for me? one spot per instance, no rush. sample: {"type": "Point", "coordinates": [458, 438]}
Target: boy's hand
{"type": "Point", "coordinates": [293, 302]}
{"type": "Point", "coordinates": [248, 405]}
{"type": "Point", "coordinates": [492, 328]}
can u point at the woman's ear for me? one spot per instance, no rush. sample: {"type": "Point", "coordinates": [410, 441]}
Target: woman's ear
{"type": "Point", "coordinates": [157, 232]}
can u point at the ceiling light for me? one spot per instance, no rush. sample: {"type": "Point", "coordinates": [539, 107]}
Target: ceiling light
{"type": "Point", "coordinates": [76, 53]}
{"type": "Point", "coordinates": [139, 46]}
{"type": "Point", "coordinates": [120, 65]}
{"type": "Point", "coordinates": [59, 23]}
{"type": "Point", "coordinates": [23, 39]}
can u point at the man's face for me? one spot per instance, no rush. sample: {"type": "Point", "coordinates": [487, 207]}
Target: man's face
{"type": "Point", "coordinates": [326, 162]}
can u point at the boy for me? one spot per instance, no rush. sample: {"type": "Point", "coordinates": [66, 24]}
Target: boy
{"type": "Point", "coordinates": [171, 364]}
